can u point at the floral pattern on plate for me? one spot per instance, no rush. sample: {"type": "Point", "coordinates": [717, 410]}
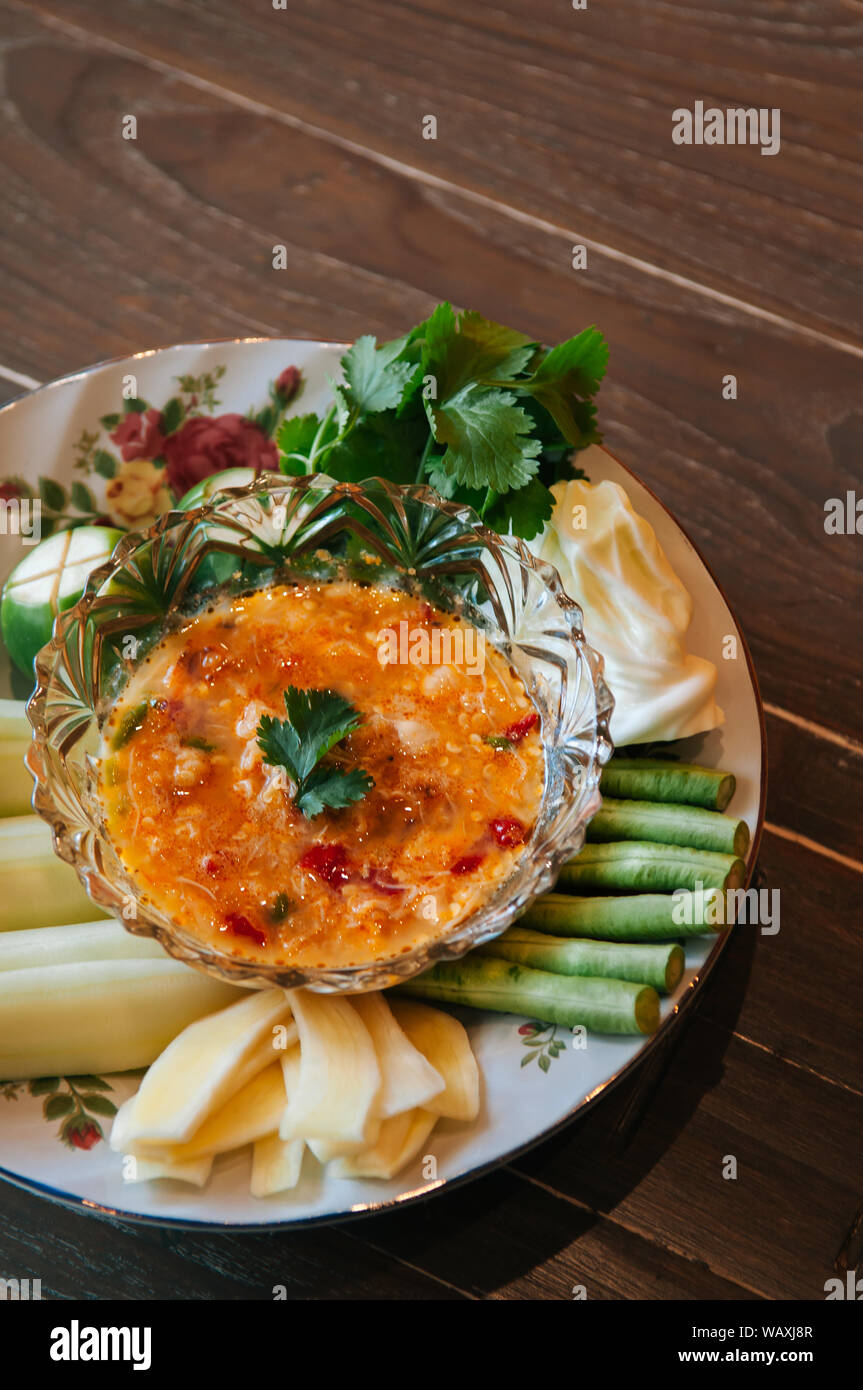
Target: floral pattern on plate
{"type": "Point", "coordinates": [139, 461]}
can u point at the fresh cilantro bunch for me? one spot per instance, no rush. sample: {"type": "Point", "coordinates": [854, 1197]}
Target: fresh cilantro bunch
{"type": "Point", "coordinates": [481, 412]}
{"type": "Point", "coordinates": [317, 720]}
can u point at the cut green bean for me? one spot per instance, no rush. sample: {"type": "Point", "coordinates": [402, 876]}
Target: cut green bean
{"type": "Point", "coordinates": [643, 964]}
{"type": "Point", "coordinates": [653, 779]}
{"type": "Point", "coordinates": [633, 917]}
{"type": "Point", "coordinates": [669, 823]}
{"type": "Point", "coordinates": [636, 865]}
{"type": "Point", "coordinates": [604, 1006]}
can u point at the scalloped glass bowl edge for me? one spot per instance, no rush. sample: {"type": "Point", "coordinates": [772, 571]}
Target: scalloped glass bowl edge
{"type": "Point", "coordinates": [519, 599]}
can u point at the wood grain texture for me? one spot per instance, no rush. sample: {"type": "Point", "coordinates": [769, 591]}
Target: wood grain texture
{"type": "Point", "coordinates": [804, 984]}
{"type": "Point", "coordinates": [118, 244]}
{"type": "Point", "coordinates": [567, 116]}
{"type": "Point", "coordinates": [777, 1226]}
{"type": "Point", "coordinates": [815, 786]}
{"type": "Point", "coordinates": [77, 1256]}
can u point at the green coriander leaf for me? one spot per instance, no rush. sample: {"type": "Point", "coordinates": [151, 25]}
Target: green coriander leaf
{"type": "Point", "coordinates": [321, 719]}
{"type": "Point", "coordinates": [488, 439]}
{"type": "Point", "coordinates": [524, 511]}
{"type": "Point", "coordinates": [568, 373]}
{"type": "Point", "coordinates": [330, 786]}
{"type": "Point", "coordinates": [374, 378]}
{"type": "Point", "coordinates": [317, 721]}
{"type": "Point", "coordinates": [412, 389]}
{"type": "Point", "coordinates": [381, 446]}
{"type": "Point", "coordinates": [343, 410]}
{"type": "Point", "coordinates": [441, 482]}
{"type": "Point", "coordinates": [279, 744]}
{"type": "Point", "coordinates": [438, 329]}
{"type": "Point", "coordinates": [472, 349]}
{"type": "Point", "coordinates": [295, 437]}
{"type": "Point", "coordinates": [580, 361]}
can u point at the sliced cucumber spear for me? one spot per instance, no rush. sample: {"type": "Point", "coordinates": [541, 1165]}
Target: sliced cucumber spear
{"type": "Point", "coordinates": [98, 1015]}
{"type": "Point", "coordinates": [652, 779]}
{"type": "Point", "coordinates": [16, 784]}
{"type": "Point", "coordinates": [604, 1006]}
{"type": "Point", "coordinates": [669, 824]}
{"type": "Point", "coordinates": [39, 890]}
{"type": "Point", "coordinates": [634, 917]}
{"type": "Point", "coordinates": [657, 965]}
{"type": "Point", "coordinates": [634, 865]}
{"type": "Point", "coordinates": [72, 944]}
{"type": "Point", "coordinates": [48, 580]}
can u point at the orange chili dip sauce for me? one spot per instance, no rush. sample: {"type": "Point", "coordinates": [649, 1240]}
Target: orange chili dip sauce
{"type": "Point", "coordinates": [208, 830]}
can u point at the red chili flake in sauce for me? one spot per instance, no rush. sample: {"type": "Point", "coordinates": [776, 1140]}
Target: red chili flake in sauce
{"type": "Point", "coordinates": [521, 728]}
{"type": "Point", "coordinates": [508, 831]}
{"type": "Point", "coordinates": [468, 864]}
{"type": "Point", "coordinates": [238, 925]}
{"type": "Point", "coordinates": [329, 862]}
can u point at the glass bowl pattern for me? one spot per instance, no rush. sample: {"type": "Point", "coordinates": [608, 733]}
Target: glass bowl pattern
{"type": "Point", "coordinates": [278, 529]}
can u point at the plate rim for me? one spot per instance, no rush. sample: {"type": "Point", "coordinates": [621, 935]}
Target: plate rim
{"type": "Point", "coordinates": [76, 1202]}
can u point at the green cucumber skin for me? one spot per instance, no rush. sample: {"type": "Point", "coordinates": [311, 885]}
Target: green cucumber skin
{"type": "Point", "coordinates": [201, 493]}
{"type": "Point", "coordinates": [635, 865]}
{"type": "Point", "coordinates": [640, 963]}
{"type": "Point", "coordinates": [653, 779]}
{"type": "Point", "coordinates": [635, 917]}
{"type": "Point", "coordinates": [601, 1005]}
{"type": "Point", "coordinates": [27, 627]}
{"type": "Point", "coordinates": [669, 823]}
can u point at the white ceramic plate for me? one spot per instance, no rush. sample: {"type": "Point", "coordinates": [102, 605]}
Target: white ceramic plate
{"type": "Point", "coordinates": [49, 432]}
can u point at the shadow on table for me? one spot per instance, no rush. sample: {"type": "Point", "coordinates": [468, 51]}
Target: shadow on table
{"type": "Point", "coordinates": [496, 1231]}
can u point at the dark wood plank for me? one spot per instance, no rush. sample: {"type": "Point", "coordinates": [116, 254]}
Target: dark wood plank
{"type": "Point", "coordinates": [81, 1256]}
{"type": "Point", "coordinates": [115, 245]}
{"type": "Point", "coordinates": [504, 1238]}
{"type": "Point", "coordinates": [568, 116]}
{"type": "Point", "coordinates": [804, 984]}
{"type": "Point", "coordinates": [778, 1225]}
{"type": "Point", "coordinates": [9, 390]}
{"type": "Point", "coordinates": [814, 786]}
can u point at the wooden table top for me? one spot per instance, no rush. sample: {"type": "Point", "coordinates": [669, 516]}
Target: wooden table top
{"type": "Point", "coordinates": [304, 126]}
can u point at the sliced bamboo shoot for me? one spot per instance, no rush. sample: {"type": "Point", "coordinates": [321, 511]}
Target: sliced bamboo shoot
{"type": "Point", "coordinates": [203, 1068]}
{"type": "Point", "coordinates": [339, 1076]}
{"type": "Point", "coordinates": [252, 1113]}
{"type": "Point", "coordinates": [195, 1170]}
{"type": "Point", "coordinates": [276, 1165]}
{"type": "Point", "coordinates": [400, 1139]}
{"type": "Point", "coordinates": [445, 1043]}
{"type": "Point", "coordinates": [408, 1080]}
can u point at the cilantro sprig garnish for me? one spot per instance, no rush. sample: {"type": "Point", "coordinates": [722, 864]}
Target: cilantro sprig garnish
{"type": "Point", "coordinates": [482, 412]}
{"type": "Point", "coordinates": [317, 720]}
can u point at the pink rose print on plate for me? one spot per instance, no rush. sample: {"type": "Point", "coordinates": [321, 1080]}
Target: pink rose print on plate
{"type": "Point", "coordinates": [205, 445]}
